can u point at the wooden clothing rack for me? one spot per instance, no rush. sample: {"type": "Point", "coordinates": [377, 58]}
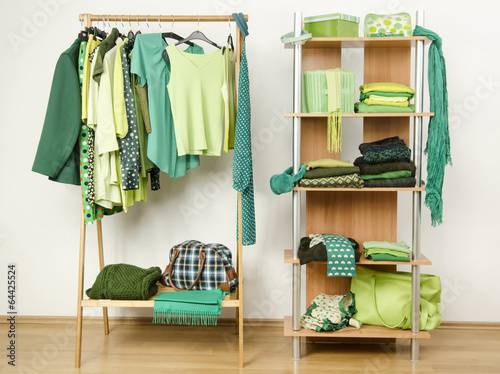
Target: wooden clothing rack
{"type": "Point", "coordinates": [231, 301]}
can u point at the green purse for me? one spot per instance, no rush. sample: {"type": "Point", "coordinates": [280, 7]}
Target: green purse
{"type": "Point", "coordinates": [383, 298]}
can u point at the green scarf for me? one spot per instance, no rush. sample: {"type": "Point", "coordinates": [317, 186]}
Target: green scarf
{"type": "Point", "coordinates": [438, 139]}
{"type": "Point", "coordinates": [200, 307]}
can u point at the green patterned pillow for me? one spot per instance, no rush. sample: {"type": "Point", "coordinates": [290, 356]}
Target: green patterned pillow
{"type": "Point", "coordinates": [388, 24]}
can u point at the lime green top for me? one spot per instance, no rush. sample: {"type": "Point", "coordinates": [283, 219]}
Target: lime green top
{"type": "Point", "coordinates": [196, 100]}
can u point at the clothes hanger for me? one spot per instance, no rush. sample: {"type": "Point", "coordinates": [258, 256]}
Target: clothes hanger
{"type": "Point", "coordinates": [138, 31]}
{"type": "Point", "coordinates": [198, 35]}
{"type": "Point", "coordinates": [229, 38]}
{"type": "Point", "coordinates": [130, 34]}
{"type": "Point", "coordinates": [173, 35]}
{"type": "Point", "coordinates": [83, 35]}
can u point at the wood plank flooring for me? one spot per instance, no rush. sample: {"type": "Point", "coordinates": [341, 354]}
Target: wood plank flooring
{"type": "Point", "coordinates": [146, 348]}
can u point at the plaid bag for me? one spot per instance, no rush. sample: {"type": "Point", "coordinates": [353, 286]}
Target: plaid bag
{"type": "Point", "coordinates": [198, 266]}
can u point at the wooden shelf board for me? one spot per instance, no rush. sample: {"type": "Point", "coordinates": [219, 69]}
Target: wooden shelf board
{"type": "Point", "coordinates": [361, 115]}
{"type": "Point", "coordinates": [229, 301]}
{"type": "Point", "coordinates": [364, 42]}
{"type": "Point", "coordinates": [366, 331]}
{"type": "Point", "coordinates": [288, 258]}
{"type": "Point", "coordinates": [366, 189]}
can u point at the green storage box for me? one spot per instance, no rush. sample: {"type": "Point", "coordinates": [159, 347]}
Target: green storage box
{"type": "Point", "coordinates": [332, 25]}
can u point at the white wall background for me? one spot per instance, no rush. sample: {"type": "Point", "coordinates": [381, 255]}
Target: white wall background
{"type": "Point", "coordinates": [39, 224]}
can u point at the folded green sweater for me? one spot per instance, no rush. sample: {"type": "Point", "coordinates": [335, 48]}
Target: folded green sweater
{"type": "Point", "coordinates": [399, 246]}
{"type": "Point", "coordinates": [384, 167]}
{"type": "Point", "coordinates": [388, 175]}
{"type": "Point", "coordinates": [351, 180]}
{"type": "Point", "coordinates": [365, 108]}
{"type": "Point", "coordinates": [330, 172]}
{"type": "Point", "coordinates": [388, 183]}
{"type": "Point", "coordinates": [125, 282]}
{"type": "Point", "coordinates": [386, 87]}
{"type": "Point", "coordinates": [363, 96]}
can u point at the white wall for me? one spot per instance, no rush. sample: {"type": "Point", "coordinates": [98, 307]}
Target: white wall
{"type": "Point", "coordinates": [39, 225]}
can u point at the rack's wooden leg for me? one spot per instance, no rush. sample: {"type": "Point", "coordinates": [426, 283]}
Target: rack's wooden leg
{"type": "Point", "coordinates": [79, 312]}
{"type": "Point", "coordinates": [240, 336]}
{"type": "Point", "coordinates": [101, 265]}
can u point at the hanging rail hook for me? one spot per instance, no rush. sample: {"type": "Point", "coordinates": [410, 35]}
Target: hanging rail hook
{"type": "Point", "coordinates": [121, 20]}
{"type": "Point", "coordinates": [198, 25]}
{"type": "Point", "coordinates": [138, 21]}
{"type": "Point", "coordinates": [173, 21]}
{"type": "Point", "coordinates": [103, 23]}
{"type": "Point", "coordinates": [147, 21]}
{"type": "Point", "coordinates": [109, 23]}
{"type": "Point", "coordinates": [159, 23]}
{"type": "Point", "coordinates": [129, 23]}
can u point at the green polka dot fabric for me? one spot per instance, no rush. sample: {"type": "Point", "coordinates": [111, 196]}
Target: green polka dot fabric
{"type": "Point", "coordinates": [242, 156]}
{"type": "Point", "coordinates": [340, 256]}
{"type": "Point", "coordinates": [388, 24]}
{"type": "Point", "coordinates": [330, 313]}
{"type": "Point", "coordinates": [91, 211]}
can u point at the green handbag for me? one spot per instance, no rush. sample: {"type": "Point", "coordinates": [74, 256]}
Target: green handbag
{"type": "Point", "coordinates": [383, 298]}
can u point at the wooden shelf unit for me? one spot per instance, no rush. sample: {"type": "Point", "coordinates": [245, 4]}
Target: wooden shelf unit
{"type": "Point", "coordinates": [288, 259]}
{"type": "Point", "coordinates": [364, 214]}
{"type": "Point", "coordinates": [366, 331]}
{"type": "Point", "coordinates": [360, 115]}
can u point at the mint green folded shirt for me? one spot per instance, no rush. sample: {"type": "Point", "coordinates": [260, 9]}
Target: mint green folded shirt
{"type": "Point", "coordinates": [401, 246]}
{"type": "Point", "coordinates": [392, 252]}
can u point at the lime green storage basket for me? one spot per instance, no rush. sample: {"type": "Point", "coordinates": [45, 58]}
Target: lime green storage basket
{"type": "Point", "coordinates": [332, 25]}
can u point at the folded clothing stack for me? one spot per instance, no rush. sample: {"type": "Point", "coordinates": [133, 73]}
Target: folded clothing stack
{"type": "Point", "coordinates": [331, 173]}
{"type": "Point", "coordinates": [385, 97]}
{"type": "Point", "coordinates": [386, 163]}
{"type": "Point", "coordinates": [387, 251]}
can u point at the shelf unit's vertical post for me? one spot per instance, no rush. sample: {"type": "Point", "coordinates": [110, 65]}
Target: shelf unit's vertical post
{"type": "Point", "coordinates": [417, 195]}
{"type": "Point", "coordinates": [297, 69]}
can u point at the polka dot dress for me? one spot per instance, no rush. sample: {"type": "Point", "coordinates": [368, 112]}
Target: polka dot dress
{"type": "Point", "coordinates": [129, 145]}
{"type": "Point", "coordinates": [242, 156]}
{"type": "Point", "coordinates": [91, 212]}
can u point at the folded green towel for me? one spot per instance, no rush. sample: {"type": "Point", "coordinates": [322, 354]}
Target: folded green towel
{"type": "Point", "coordinates": [387, 251]}
{"type": "Point", "coordinates": [195, 307]}
{"type": "Point", "coordinates": [363, 96]}
{"type": "Point", "coordinates": [400, 246]}
{"type": "Point", "coordinates": [390, 183]}
{"type": "Point", "coordinates": [365, 108]}
{"type": "Point", "coordinates": [386, 87]}
{"type": "Point", "coordinates": [125, 282]}
{"type": "Point", "coordinates": [388, 175]}
{"type": "Point", "coordinates": [386, 257]}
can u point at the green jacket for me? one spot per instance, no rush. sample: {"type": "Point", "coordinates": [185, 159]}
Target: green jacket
{"type": "Point", "coordinates": [58, 154]}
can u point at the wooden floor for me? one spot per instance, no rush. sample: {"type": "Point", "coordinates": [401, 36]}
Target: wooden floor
{"type": "Point", "coordinates": [146, 348]}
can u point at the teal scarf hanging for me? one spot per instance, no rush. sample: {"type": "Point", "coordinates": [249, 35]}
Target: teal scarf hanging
{"type": "Point", "coordinates": [438, 139]}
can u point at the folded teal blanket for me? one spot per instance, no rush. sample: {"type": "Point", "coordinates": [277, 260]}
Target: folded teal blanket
{"type": "Point", "coordinates": [329, 172]}
{"type": "Point", "coordinates": [365, 108]}
{"type": "Point", "coordinates": [395, 182]}
{"type": "Point", "coordinates": [195, 307]}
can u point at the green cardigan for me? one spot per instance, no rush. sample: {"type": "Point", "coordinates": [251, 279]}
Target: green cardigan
{"type": "Point", "coordinates": [58, 154]}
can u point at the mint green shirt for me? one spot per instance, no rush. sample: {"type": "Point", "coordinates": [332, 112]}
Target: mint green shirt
{"type": "Point", "coordinates": [148, 64]}
{"type": "Point", "coordinates": [195, 90]}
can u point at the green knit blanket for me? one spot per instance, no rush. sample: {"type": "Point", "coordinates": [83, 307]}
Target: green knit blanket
{"type": "Point", "coordinates": [125, 282]}
{"type": "Point", "coordinates": [392, 154]}
{"type": "Point", "coordinates": [195, 307]}
{"type": "Point", "coordinates": [395, 182]}
{"type": "Point", "coordinates": [350, 180]}
{"type": "Point", "coordinates": [329, 172]}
